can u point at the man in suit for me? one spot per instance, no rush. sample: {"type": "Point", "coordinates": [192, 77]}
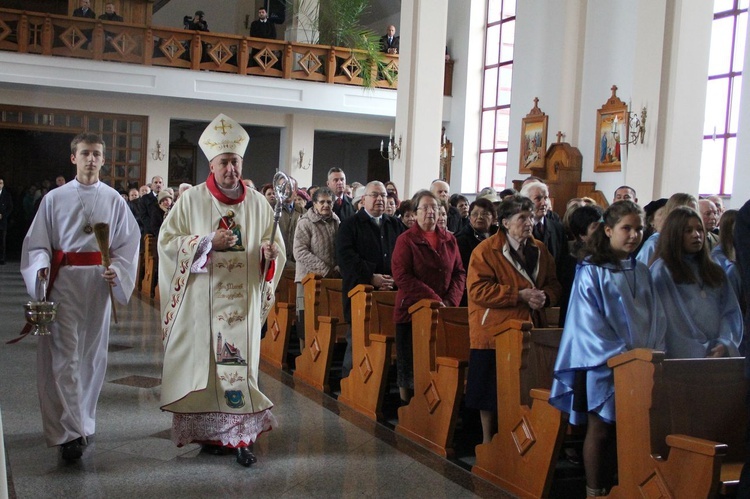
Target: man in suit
{"type": "Point", "coordinates": [442, 191]}
{"type": "Point", "coordinates": [84, 10]}
{"type": "Point", "coordinates": [390, 42]}
{"type": "Point", "coordinates": [263, 27]}
{"type": "Point", "coordinates": [150, 204]}
{"type": "Point", "coordinates": [6, 208]}
{"type": "Point", "coordinates": [364, 246]}
{"type": "Point", "coordinates": [342, 204]}
{"type": "Point", "coordinates": [110, 13]}
{"type": "Point", "coordinates": [546, 229]}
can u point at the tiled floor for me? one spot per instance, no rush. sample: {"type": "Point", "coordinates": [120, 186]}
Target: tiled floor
{"type": "Point", "coordinates": [319, 448]}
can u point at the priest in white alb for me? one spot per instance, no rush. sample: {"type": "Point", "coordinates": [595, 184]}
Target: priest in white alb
{"type": "Point", "coordinates": [213, 249]}
{"type": "Point", "coordinates": [61, 250]}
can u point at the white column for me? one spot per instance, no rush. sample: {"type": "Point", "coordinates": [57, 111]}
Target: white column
{"type": "Point", "coordinates": [158, 129]}
{"type": "Point", "coordinates": [420, 93]}
{"type": "Point", "coordinates": [298, 135]}
{"type": "Point", "coordinates": [680, 136]}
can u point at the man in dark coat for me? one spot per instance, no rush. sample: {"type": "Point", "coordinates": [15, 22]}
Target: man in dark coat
{"type": "Point", "coordinates": [263, 27]}
{"type": "Point", "coordinates": [110, 13]}
{"type": "Point", "coordinates": [546, 229]}
{"type": "Point", "coordinates": [364, 246]}
{"type": "Point", "coordinates": [390, 43]}
{"type": "Point", "coordinates": [6, 208]}
{"type": "Point", "coordinates": [150, 205]}
{"type": "Point", "coordinates": [342, 204]}
{"type": "Point", "coordinates": [84, 10]}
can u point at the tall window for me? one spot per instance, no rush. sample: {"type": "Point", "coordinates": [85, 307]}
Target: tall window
{"type": "Point", "coordinates": [723, 96]}
{"type": "Point", "coordinates": [498, 72]}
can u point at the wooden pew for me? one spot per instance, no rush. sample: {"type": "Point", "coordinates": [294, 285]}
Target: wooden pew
{"type": "Point", "coordinates": [681, 425]}
{"type": "Point", "coordinates": [281, 319]}
{"type": "Point", "coordinates": [151, 273]}
{"type": "Point", "coordinates": [441, 354]}
{"type": "Point", "coordinates": [324, 326]}
{"type": "Point", "coordinates": [373, 334]}
{"type": "Point", "coordinates": [553, 316]}
{"type": "Point", "coordinates": [522, 455]}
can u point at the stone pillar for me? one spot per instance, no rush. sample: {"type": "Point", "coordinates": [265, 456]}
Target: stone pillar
{"type": "Point", "coordinates": [298, 135]}
{"type": "Point", "coordinates": [420, 93]}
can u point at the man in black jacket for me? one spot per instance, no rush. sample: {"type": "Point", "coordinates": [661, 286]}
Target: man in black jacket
{"type": "Point", "coordinates": [546, 229]}
{"type": "Point", "coordinates": [263, 27]}
{"type": "Point", "coordinates": [364, 246]}
{"type": "Point", "coordinates": [110, 14]}
{"type": "Point", "coordinates": [390, 43]}
{"type": "Point", "coordinates": [84, 10]}
{"type": "Point", "coordinates": [342, 204]}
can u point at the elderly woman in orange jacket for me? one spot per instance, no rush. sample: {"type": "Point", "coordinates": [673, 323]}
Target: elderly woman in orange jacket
{"type": "Point", "coordinates": [511, 275]}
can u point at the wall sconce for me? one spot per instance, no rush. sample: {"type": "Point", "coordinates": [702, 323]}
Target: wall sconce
{"type": "Point", "coordinates": [300, 161]}
{"type": "Point", "coordinates": [158, 153]}
{"type": "Point", "coordinates": [637, 127]}
{"type": "Point", "coordinates": [394, 148]}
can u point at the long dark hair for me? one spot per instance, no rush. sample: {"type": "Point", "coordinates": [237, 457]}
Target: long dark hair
{"type": "Point", "coordinates": [726, 233]}
{"type": "Point", "coordinates": [599, 248]}
{"type": "Point", "coordinates": [670, 249]}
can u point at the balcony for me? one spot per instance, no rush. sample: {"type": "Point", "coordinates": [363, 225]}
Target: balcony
{"type": "Point", "coordinates": [61, 36]}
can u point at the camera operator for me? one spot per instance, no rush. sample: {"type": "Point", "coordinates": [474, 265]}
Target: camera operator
{"type": "Point", "coordinates": [196, 23]}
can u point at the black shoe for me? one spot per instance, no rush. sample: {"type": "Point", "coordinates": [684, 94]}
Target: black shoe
{"type": "Point", "coordinates": [72, 450]}
{"type": "Point", "coordinates": [214, 450]}
{"type": "Point", "coordinates": [246, 457]}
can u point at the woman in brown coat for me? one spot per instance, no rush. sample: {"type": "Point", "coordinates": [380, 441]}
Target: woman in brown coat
{"type": "Point", "coordinates": [511, 275]}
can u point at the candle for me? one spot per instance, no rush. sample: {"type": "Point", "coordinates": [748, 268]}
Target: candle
{"type": "Point", "coordinates": [390, 136]}
{"type": "Point", "coordinates": [381, 146]}
{"type": "Point", "coordinates": [614, 125]}
{"type": "Point", "coordinates": [623, 149]}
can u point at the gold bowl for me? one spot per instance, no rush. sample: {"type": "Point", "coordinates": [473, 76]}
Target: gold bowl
{"type": "Point", "coordinates": [40, 314]}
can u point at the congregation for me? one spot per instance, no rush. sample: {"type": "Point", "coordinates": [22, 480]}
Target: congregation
{"type": "Point", "coordinates": [666, 276]}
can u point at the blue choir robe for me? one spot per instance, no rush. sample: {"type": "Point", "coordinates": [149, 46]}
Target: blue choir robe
{"type": "Point", "coordinates": [648, 249]}
{"type": "Point", "coordinates": [698, 317]}
{"type": "Point", "coordinates": [612, 310]}
{"type": "Point", "coordinates": [732, 271]}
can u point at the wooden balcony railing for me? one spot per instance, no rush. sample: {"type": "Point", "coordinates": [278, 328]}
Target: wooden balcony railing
{"type": "Point", "coordinates": [37, 33]}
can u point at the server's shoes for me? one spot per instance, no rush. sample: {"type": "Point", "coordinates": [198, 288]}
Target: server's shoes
{"type": "Point", "coordinates": [214, 450]}
{"type": "Point", "coordinates": [72, 450]}
{"type": "Point", "coordinates": [245, 456]}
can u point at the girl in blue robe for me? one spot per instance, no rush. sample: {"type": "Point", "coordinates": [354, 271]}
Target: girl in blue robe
{"type": "Point", "coordinates": [613, 308]}
{"type": "Point", "coordinates": [703, 314]}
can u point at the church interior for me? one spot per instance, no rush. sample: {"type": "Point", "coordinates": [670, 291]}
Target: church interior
{"type": "Point", "coordinates": [588, 95]}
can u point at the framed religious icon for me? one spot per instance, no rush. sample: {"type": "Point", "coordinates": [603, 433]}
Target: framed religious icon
{"type": "Point", "coordinates": [182, 157]}
{"type": "Point", "coordinates": [611, 124]}
{"type": "Point", "coordinates": [533, 139]}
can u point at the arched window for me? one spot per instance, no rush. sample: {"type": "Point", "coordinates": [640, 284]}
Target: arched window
{"type": "Point", "coordinates": [496, 82]}
{"type": "Point", "coordinates": [728, 36]}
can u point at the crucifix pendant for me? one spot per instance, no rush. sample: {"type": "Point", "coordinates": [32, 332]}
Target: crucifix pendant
{"type": "Point", "coordinates": [87, 228]}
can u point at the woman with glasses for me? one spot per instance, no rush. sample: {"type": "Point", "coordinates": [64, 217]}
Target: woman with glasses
{"type": "Point", "coordinates": [511, 275]}
{"type": "Point", "coordinates": [426, 264]}
{"type": "Point", "coordinates": [314, 248]}
{"type": "Point", "coordinates": [481, 226]}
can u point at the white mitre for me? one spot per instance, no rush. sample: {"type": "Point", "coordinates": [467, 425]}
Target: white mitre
{"type": "Point", "coordinates": [223, 135]}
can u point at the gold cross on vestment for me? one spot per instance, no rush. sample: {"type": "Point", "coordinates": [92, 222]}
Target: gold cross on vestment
{"type": "Point", "coordinates": [223, 127]}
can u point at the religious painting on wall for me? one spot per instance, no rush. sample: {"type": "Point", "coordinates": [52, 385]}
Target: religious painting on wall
{"type": "Point", "coordinates": [611, 124]}
{"type": "Point", "coordinates": [181, 164]}
{"type": "Point", "coordinates": [533, 139]}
